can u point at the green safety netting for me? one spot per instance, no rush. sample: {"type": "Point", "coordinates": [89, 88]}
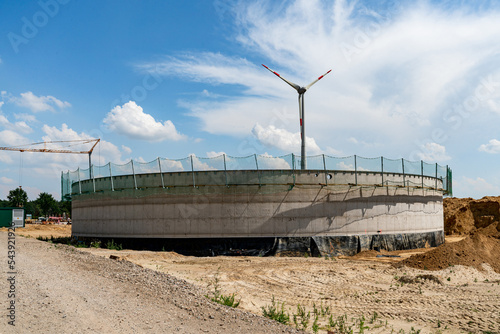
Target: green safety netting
{"type": "Point", "coordinates": [250, 170]}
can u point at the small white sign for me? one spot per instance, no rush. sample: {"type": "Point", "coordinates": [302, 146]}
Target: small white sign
{"type": "Point", "coordinates": [18, 217]}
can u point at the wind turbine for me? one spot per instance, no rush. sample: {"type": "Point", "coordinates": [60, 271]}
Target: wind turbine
{"type": "Point", "coordinates": [301, 91]}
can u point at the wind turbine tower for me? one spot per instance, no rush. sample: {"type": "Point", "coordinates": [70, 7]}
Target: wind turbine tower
{"type": "Point", "coordinates": [301, 91]}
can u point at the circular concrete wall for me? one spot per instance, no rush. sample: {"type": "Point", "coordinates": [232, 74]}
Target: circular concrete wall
{"type": "Point", "coordinates": [332, 212]}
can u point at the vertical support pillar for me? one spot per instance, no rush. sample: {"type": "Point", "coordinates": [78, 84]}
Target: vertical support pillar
{"type": "Point", "coordinates": [133, 173]}
{"type": "Point", "coordinates": [79, 181]}
{"type": "Point", "coordinates": [436, 186]}
{"type": "Point", "coordinates": [225, 169]}
{"type": "Point", "coordinates": [404, 176]}
{"type": "Point", "coordinates": [90, 164]}
{"type": "Point", "coordinates": [257, 167]}
{"type": "Point", "coordinates": [111, 177]}
{"type": "Point", "coordinates": [447, 180]}
{"type": "Point", "coordinates": [293, 168]}
{"type": "Point", "coordinates": [422, 172]}
{"type": "Point", "coordinates": [324, 168]}
{"type": "Point", "coordinates": [382, 169]}
{"type": "Point", "coordinates": [192, 170]}
{"type": "Point", "coordinates": [161, 173]}
{"type": "Point", "coordinates": [91, 171]}
{"type": "Point", "coordinates": [355, 170]}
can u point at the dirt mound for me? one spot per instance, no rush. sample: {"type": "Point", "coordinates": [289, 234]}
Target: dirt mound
{"type": "Point", "coordinates": [472, 251]}
{"type": "Point", "coordinates": [466, 216]}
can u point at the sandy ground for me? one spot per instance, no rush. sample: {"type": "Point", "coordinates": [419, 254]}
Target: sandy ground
{"type": "Point", "coordinates": [59, 289]}
{"type": "Point", "coordinates": [465, 301]}
{"type": "Point", "coordinates": [45, 231]}
{"type": "Point", "coordinates": [454, 300]}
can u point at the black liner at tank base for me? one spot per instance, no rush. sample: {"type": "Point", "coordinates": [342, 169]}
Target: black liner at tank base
{"type": "Point", "coordinates": [283, 246]}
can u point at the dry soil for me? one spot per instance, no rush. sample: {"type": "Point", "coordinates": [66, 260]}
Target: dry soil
{"type": "Point", "coordinates": [454, 288]}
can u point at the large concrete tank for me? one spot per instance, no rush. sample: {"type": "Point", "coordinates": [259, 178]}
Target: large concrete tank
{"type": "Point", "coordinates": [267, 211]}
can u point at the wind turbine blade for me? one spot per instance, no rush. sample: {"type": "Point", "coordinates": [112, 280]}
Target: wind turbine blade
{"type": "Point", "coordinates": [312, 83]}
{"type": "Point", "coordinates": [294, 86]}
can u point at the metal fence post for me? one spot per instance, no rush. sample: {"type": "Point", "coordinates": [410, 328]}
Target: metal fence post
{"type": "Point", "coordinates": [133, 173]}
{"type": "Point", "coordinates": [404, 176]}
{"type": "Point", "coordinates": [91, 171]}
{"type": "Point", "coordinates": [257, 167]}
{"type": "Point", "coordinates": [161, 173]}
{"type": "Point", "coordinates": [355, 170]}
{"type": "Point", "coordinates": [192, 170]}
{"type": "Point", "coordinates": [382, 168]}
{"type": "Point", "coordinates": [324, 167]}
{"type": "Point", "coordinates": [422, 172]}
{"type": "Point", "coordinates": [79, 181]}
{"type": "Point", "coordinates": [447, 179]}
{"type": "Point", "coordinates": [436, 186]}
{"type": "Point", "coordinates": [111, 177]}
{"type": "Point", "coordinates": [225, 170]}
{"type": "Point", "coordinates": [293, 168]}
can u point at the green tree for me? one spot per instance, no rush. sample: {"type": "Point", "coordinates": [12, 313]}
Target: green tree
{"type": "Point", "coordinates": [30, 208]}
{"type": "Point", "coordinates": [65, 207]}
{"type": "Point", "coordinates": [17, 197]}
{"type": "Point", "coordinates": [47, 204]}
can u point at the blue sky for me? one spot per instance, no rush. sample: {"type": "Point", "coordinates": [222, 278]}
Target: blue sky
{"type": "Point", "coordinates": [414, 80]}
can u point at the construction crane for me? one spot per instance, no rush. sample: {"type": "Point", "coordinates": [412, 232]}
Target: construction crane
{"type": "Point", "coordinates": [46, 150]}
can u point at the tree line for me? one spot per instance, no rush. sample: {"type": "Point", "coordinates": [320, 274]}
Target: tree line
{"type": "Point", "coordinates": [45, 205]}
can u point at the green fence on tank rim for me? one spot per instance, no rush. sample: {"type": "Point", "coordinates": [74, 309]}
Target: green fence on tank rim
{"type": "Point", "coordinates": [290, 163]}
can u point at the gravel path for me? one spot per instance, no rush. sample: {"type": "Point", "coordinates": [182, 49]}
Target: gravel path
{"type": "Point", "coordinates": [62, 290]}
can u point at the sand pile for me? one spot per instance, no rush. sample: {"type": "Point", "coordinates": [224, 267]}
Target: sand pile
{"type": "Point", "coordinates": [472, 251]}
{"type": "Point", "coordinates": [466, 216]}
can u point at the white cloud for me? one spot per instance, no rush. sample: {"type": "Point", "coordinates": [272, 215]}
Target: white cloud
{"type": "Point", "coordinates": [200, 165]}
{"type": "Point", "coordinates": [213, 154]}
{"type": "Point", "coordinates": [492, 147]}
{"type": "Point", "coordinates": [5, 157]}
{"type": "Point", "coordinates": [343, 166]}
{"type": "Point", "coordinates": [6, 180]}
{"type": "Point", "coordinates": [267, 161]}
{"type": "Point", "coordinates": [12, 138]}
{"type": "Point", "coordinates": [476, 188]}
{"type": "Point", "coordinates": [131, 121]}
{"type": "Point", "coordinates": [103, 153]}
{"type": "Point", "coordinates": [432, 152]}
{"type": "Point", "coordinates": [25, 117]}
{"type": "Point", "coordinates": [284, 140]}
{"type": "Point", "coordinates": [171, 165]}
{"type": "Point", "coordinates": [20, 127]}
{"type": "Point", "coordinates": [39, 103]}
{"type": "Point", "coordinates": [384, 68]}
{"type": "Point", "coordinates": [126, 149]}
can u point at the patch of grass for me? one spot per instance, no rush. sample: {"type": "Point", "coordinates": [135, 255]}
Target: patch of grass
{"type": "Point", "coordinates": [217, 296]}
{"type": "Point", "coordinates": [374, 317]}
{"type": "Point", "coordinates": [362, 326]}
{"type": "Point", "coordinates": [112, 245]}
{"type": "Point", "coordinates": [95, 244]}
{"type": "Point", "coordinates": [64, 240]}
{"type": "Point", "coordinates": [315, 326]}
{"type": "Point", "coordinates": [276, 312]}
